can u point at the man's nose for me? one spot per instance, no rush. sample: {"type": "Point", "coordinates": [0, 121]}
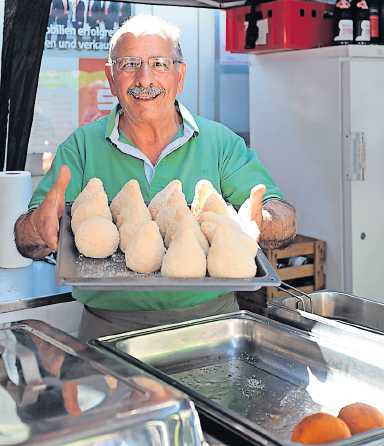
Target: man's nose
{"type": "Point", "coordinates": [144, 74]}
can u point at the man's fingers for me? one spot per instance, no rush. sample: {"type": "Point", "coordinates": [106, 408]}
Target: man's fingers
{"type": "Point", "coordinates": [51, 226]}
{"type": "Point", "coordinates": [54, 201]}
{"type": "Point", "coordinates": [46, 226]}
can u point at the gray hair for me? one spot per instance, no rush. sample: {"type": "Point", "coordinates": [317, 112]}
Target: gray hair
{"type": "Point", "coordinates": [148, 25]}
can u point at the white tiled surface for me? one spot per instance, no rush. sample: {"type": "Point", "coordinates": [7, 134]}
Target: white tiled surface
{"type": "Point", "coordinates": [65, 316]}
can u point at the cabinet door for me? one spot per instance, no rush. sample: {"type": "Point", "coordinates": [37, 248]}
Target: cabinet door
{"type": "Point", "coordinates": [367, 195]}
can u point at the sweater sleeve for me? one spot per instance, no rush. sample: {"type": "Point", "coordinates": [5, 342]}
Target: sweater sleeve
{"type": "Point", "coordinates": [241, 170]}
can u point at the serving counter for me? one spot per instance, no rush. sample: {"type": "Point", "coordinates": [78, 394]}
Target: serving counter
{"type": "Point", "coordinates": [29, 287]}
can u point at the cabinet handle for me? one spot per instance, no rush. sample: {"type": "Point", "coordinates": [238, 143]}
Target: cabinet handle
{"type": "Point", "coordinates": [358, 169]}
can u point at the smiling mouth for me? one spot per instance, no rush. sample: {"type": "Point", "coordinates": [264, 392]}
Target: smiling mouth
{"type": "Point", "coordinates": [145, 93]}
{"type": "Point", "coordinates": [146, 98]}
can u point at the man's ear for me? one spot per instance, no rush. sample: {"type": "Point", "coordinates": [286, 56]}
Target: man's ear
{"type": "Point", "coordinates": [108, 70]}
{"type": "Point", "coordinates": [182, 69]}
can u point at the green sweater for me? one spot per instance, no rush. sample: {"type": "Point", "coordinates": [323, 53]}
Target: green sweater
{"type": "Point", "coordinates": [204, 150]}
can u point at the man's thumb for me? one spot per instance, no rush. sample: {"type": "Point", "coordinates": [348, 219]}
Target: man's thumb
{"type": "Point", "coordinates": [257, 193]}
{"type": "Point", "coordinates": [62, 180]}
{"type": "Point", "coordinates": [256, 203]}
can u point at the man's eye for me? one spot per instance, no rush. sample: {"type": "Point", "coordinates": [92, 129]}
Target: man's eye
{"type": "Point", "coordinates": [128, 65]}
{"type": "Point", "coordinates": [158, 63]}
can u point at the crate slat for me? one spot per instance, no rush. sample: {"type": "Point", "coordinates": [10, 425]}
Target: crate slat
{"type": "Point", "coordinates": [314, 271]}
{"type": "Point", "coordinates": [299, 249]}
{"type": "Point", "coordinates": [296, 272]}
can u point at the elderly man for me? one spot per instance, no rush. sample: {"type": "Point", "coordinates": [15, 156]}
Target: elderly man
{"type": "Point", "coordinates": [151, 137]}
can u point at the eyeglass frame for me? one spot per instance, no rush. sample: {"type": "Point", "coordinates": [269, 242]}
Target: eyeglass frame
{"type": "Point", "coordinates": [117, 59]}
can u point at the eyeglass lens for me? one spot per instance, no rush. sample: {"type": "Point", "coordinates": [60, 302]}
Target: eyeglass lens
{"type": "Point", "coordinates": [130, 63]}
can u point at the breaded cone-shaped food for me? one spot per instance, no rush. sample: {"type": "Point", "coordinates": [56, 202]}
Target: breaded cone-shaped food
{"type": "Point", "coordinates": [97, 237]}
{"type": "Point", "coordinates": [159, 200]}
{"type": "Point", "coordinates": [361, 417]}
{"type": "Point", "coordinates": [144, 252]}
{"type": "Point", "coordinates": [128, 205]}
{"type": "Point", "coordinates": [127, 232]}
{"type": "Point", "coordinates": [183, 214]}
{"type": "Point", "coordinates": [202, 189]}
{"type": "Point", "coordinates": [185, 257]}
{"type": "Point", "coordinates": [93, 187]}
{"type": "Point", "coordinates": [232, 253]}
{"type": "Point", "coordinates": [320, 428]}
{"type": "Point", "coordinates": [215, 203]}
{"type": "Point", "coordinates": [209, 226]}
{"type": "Point", "coordinates": [96, 205]}
{"type": "Point", "coordinates": [214, 220]}
{"type": "Point", "coordinates": [168, 211]}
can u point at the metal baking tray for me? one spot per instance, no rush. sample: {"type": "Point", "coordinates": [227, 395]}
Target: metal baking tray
{"type": "Point", "coordinates": [261, 375]}
{"type": "Point", "coordinates": [346, 308]}
{"type": "Point", "coordinates": [112, 273]}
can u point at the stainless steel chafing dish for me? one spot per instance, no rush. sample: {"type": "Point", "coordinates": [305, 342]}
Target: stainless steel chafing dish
{"type": "Point", "coordinates": [261, 376]}
{"type": "Point", "coordinates": [345, 308]}
{"type": "Point", "coordinates": [56, 391]}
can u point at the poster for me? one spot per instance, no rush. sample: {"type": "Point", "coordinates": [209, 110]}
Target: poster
{"type": "Point", "coordinates": [73, 89]}
{"type": "Point", "coordinates": [84, 25]}
{"type": "Point", "coordinates": [95, 98]}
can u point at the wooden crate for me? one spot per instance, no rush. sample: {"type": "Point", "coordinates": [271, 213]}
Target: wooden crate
{"type": "Point", "coordinates": [311, 273]}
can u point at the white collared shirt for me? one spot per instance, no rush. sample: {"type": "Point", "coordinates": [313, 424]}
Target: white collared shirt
{"type": "Point", "coordinates": [189, 127]}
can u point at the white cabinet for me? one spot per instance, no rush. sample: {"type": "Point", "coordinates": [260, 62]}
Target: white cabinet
{"type": "Point", "coordinates": [317, 122]}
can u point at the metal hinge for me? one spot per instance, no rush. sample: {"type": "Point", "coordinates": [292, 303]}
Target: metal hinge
{"type": "Point", "coordinates": [358, 161]}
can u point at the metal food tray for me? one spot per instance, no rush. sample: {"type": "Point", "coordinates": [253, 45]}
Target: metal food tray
{"type": "Point", "coordinates": [259, 375]}
{"type": "Point", "coordinates": [346, 308]}
{"type": "Point", "coordinates": [111, 273]}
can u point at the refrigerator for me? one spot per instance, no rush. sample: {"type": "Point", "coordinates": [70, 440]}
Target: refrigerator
{"type": "Point", "coordinates": [317, 123]}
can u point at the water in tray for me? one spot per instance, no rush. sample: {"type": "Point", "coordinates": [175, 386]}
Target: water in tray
{"type": "Point", "coordinates": [246, 386]}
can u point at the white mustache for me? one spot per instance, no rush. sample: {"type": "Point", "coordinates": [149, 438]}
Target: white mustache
{"type": "Point", "coordinates": [148, 92]}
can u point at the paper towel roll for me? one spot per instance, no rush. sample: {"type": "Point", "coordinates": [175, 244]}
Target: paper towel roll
{"type": "Point", "coordinates": [15, 193]}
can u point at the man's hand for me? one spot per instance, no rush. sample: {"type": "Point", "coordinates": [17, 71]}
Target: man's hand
{"type": "Point", "coordinates": [275, 220]}
{"type": "Point", "coordinates": [45, 219]}
{"type": "Point", "coordinates": [37, 233]}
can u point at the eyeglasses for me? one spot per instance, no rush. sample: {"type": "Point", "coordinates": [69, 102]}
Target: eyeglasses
{"type": "Point", "coordinates": [130, 64]}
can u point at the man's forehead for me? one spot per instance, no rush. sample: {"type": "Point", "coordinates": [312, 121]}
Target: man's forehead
{"type": "Point", "coordinates": [129, 41]}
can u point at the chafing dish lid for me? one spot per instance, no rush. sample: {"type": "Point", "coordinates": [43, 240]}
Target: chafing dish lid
{"type": "Point", "coordinates": [55, 390]}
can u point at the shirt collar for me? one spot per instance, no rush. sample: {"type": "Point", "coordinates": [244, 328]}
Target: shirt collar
{"type": "Point", "coordinates": [186, 116]}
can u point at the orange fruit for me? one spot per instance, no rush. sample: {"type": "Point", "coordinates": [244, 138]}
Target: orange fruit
{"type": "Point", "coordinates": [361, 417]}
{"type": "Point", "coordinates": [320, 428]}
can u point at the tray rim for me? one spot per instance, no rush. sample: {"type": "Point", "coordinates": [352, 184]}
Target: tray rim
{"type": "Point", "coordinates": [159, 283]}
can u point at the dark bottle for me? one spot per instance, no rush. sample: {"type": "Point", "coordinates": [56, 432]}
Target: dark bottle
{"type": "Point", "coordinates": [374, 7]}
{"type": "Point", "coordinates": [361, 25]}
{"type": "Point", "coordinates": [343, 34]}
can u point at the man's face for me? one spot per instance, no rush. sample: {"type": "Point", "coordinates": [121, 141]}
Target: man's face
{"type": "Point", "coordinates": [137, 103]}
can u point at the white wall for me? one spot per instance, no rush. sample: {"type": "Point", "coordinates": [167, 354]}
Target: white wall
{"type": "Point", "coordinates": [232, 90]}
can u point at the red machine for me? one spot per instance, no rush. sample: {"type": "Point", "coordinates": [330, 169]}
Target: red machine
{"type": "Point", "coordinates": [279, 25]}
